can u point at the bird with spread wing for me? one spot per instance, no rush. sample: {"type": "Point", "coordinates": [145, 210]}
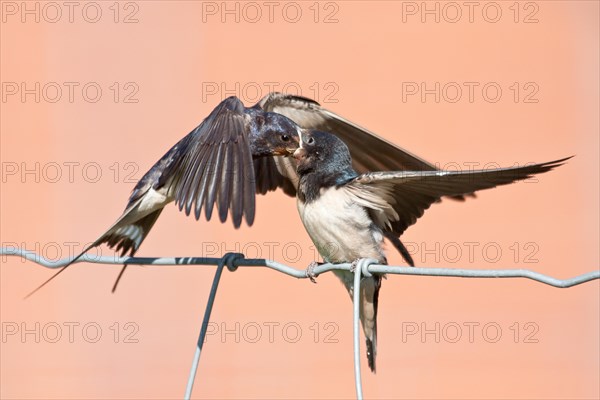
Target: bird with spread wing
{"type": "Point", "coordinates": [233, 154]}
{"type": "Point", "coordinates": [347, 214]}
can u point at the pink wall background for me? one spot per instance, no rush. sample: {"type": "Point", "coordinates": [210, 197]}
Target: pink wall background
{"type": "Point", "coordinates": [360, 65]}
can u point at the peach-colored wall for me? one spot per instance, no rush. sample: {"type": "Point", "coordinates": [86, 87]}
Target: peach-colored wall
{"type": "Point", "coordinates": [180, 58]}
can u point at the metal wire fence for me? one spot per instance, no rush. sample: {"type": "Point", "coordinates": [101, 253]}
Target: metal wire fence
{"type": "Point", "coordinates": [364, 267]}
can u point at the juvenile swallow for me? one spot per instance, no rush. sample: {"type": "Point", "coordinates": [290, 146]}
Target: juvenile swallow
{"type": "Point", "coordinates": [347, 214]}
{"type": "Point", "coordinates": [235, 153]}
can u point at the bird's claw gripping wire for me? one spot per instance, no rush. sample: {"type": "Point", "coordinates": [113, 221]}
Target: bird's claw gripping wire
{"type": "Point", "coordinates": [310, 271]}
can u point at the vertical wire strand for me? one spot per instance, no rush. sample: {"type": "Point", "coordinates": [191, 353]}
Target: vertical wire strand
{"type": "Point", "coordinates": [226, 260]}
{"type": "Point", "coordinates": [356, 308]}
{"type": "Point", "coordinates": [203, 329]}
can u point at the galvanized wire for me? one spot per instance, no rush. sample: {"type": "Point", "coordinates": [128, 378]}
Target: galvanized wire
{"type": "Point", "coordinates": [356, 329]}
{"type": "Point", "coordinates": [362, 267]}
{"type": "Point", "coordinates": [227, 260]}
{"type": "Point", "coordinates": [296, 273]}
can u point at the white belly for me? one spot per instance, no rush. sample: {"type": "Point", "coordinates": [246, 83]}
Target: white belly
{"type": "Point", "coordinates": [340, 229]}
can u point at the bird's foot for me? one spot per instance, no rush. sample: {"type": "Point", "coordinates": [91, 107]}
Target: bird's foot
{"type": "Point", "coordinates": [354, 265]}
{"type": "Point", "coordinates": [310, 271]}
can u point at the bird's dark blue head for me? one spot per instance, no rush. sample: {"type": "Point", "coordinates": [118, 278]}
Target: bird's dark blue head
{"type": "Point", "coordinates": [324, 155]}
{"type": "Point", "coordinates": [273, 134]}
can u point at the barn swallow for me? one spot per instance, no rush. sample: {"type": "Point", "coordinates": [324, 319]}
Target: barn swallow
{"type": "Point", "coordinates": [235, 153]}
{"type": "Point", "coordinates": [212, 165]}
{"type": "Point", "coordinates": [347, 214]}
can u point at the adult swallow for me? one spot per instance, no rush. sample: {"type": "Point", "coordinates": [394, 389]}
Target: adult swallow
{"type": "Point", "coordinates": [347, 214]}
{"type": "Point", "coordinates": [212, 166]}
{"type": "Point", "coordinates": [235, 153]}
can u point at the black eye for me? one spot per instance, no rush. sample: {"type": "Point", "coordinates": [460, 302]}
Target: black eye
{"type": "Point", "coordinates": [310, 140]}
{"type": "Point", "coordinates": [285, 138]}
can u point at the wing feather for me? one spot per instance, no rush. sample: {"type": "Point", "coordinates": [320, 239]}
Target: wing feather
{"type": "Point", "coordinates": [210, 160]}
{"type": "Point", "coordinates": [397, 199]}
{"type": "Point", "coordinates": [236, 195]}
{"type": "Point", "coordinates": [369, 151]}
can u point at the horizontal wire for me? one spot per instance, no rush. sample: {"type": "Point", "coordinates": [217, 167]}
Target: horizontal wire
{"type": "Point", "coordinates": [301, 274]}
{"type": "Point", "coordinates": [365, 266]}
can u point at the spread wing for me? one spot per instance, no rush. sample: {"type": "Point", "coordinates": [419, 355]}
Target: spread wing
{"type": "Point", "coordinates": [276, 172]}
{"type": "Point", "coordinates": [397, 199]}
{"type": "Point", "coordinates": [213, 165]}
{"type": "Point", "coordinates": [369, 152]}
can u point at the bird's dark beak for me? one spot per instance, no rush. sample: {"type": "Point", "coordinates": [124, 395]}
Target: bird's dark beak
{"type": "Point", "coordinates": [300, 154]}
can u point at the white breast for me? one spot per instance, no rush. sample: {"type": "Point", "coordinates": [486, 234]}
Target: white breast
{"type": "Point", "coordinates": [340, 229]}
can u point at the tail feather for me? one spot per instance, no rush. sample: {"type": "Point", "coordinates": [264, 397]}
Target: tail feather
{"type": "Point", "coordinates": [368, 315]}
{"type": "Point", "coordinates": [372, 342]}
{"type": "Point", "coordinates": [372, 352]}
{"type": "Point", "coordinates": [114, 288]}
{"type": "Point", "coordinates": [400, 247]}
{"type": "Point", "coordinates": [96, 243]}
{"type": "Point", "coordinates": [143, 228]}
{"type": "Point", "coordinates": [127, 234]}
{"type": "Point", "coordinates": [369, 302]}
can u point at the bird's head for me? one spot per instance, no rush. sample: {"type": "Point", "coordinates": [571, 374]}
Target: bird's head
{"type": "Point", "coordinates": [276, 135]}
{"type": "Point", "coordinates": [321, 151]}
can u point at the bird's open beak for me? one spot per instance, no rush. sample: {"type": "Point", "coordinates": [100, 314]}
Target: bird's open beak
{"type": "Point", "coordinates": [285, 151]}
{"type": "Point", "coordinates": [290, 150]}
